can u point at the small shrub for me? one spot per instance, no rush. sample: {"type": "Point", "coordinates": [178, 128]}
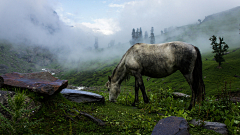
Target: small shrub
{"type": "Point", "coordinates": [19, 123]}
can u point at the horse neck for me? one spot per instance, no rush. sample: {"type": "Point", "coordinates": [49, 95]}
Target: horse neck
{"type": "Point", "coordinates": [120, 73]}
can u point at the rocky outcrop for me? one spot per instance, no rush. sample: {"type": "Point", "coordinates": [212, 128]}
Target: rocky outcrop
{"type": "Point", "coordinates": [179, 126]}
{"type": "Point", "coordinates": [179, 95]}
{"type": "Point", "coordinates": [82, 96]}
{"type": "Point", "coordinates": [236, 76]}
{"type": "Point", "coordinates": [171, 126]}
{"type": "Point", "coordinates": [215, 126]}
{"type": "Point", "coordinates": [39, 82]}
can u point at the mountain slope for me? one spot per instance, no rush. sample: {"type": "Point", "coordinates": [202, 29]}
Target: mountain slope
{"type": "Point", "coordinates": [24, 59]}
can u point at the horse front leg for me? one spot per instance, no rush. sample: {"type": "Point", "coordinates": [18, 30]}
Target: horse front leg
{"type": "Point", "coordinates": [136, 92]}
{"type": "Point", "coordinates": [142, 87]}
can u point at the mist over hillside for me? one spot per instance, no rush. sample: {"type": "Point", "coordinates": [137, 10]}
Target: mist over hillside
{"type": "Point", "coordinates": [36, 23]}
{"type": "Point", "coordinates": [224, 24]}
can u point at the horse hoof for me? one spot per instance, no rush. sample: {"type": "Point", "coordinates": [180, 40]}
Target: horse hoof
{"type": "Point", "coordinates": [146, 101]}
{"type": "Point", "coordinates": [189, 108]}
{"type": "Point", "coordinates": [113, 101]}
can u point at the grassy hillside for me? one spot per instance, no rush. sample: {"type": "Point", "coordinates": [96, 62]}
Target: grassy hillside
{"type": "Point", "coordinates": [25, 59]}
{"type": "Point", "coordinates": [213, 77]}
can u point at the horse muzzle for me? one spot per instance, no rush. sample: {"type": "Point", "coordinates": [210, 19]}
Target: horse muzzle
{"type": "Point", "coordinates": [112, 100]}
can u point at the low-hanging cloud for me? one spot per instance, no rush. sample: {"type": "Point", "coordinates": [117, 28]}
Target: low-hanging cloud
{"type": "Point", "coordinates": [162, 14]}
{"type": "Point", "coordinates": [35, 22]}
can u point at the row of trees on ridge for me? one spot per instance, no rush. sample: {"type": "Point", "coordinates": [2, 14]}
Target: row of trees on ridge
{"type": "Point", "coordinates": [137, 37]}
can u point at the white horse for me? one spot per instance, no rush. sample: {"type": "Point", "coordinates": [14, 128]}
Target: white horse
{"type": "Point", "coordinates": [157, 61]}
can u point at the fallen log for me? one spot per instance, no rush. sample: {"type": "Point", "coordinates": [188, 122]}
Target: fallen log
{"type": "Point", "coordinates": [98, 121]}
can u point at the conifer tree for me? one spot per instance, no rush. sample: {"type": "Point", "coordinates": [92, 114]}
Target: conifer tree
{"type": "Point", "coordinates": [140, 36]}
{"type": "Point", "coordinates": [133, 40]}
{"type": "Point", "coordinates": [146, 36]}
{"type": "Point", "coordinates": [133, 33]}
{"type": "Point", "coordinates": [137, 35]}
{"type": "Point", "coordinates": [96, 43]}
{"type": "Point", "coordinates": [152, 38]}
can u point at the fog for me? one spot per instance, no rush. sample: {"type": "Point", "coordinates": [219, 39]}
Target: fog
{"type": "Point", "coordinates": [35, 22]}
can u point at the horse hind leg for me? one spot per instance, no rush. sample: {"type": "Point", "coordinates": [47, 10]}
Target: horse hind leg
{"type": "Point", "coordinates": [189, 79]}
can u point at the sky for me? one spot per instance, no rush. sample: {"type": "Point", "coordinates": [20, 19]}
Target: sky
{"type": "Point", "coordinates": [112, 16]}
{"type": "Point", "coordinates": [77, 22]}
{"type": "Point", "coordinates": [101, 16]}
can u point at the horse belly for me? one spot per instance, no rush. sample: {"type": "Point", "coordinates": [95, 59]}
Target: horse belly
{"type": "Point", "coordinates": [156, 72]}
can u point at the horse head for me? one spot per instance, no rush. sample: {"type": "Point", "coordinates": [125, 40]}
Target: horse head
{"type": "Point", "coordinates": [113, 88]}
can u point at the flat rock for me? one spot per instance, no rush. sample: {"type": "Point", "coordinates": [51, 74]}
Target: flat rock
{"type": "Point", "coordinates": [215, 126]}
{"type": "Point", "coordinates": [178, 95]}
{"type": "Point", "coordinates": [235, 99]}
{"type": "Point", "coordinates": [39, 82]}
{"type": "Point", "coordinates": [82, 96]}
{"type": "Point", "coordinates": [171, 126]}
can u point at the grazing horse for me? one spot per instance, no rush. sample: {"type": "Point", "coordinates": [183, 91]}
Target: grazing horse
{"type": "Point", "coordinates": [157, 61]}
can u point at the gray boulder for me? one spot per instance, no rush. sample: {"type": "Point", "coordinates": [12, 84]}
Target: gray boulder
{"type": "Point", "coordinates": [215, 126]}
{"type": "Point", "coordinates": [179, 95]}
{"type": "Point", "coordinates": [82, 96]}
{"type": "Point", "coordinates": [171, 126]}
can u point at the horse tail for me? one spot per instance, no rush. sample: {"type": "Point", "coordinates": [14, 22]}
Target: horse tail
{"type": "Point", "coordinates": [198, 84]}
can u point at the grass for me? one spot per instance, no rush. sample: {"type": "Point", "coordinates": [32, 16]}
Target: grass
{"type": "Point", "coordinates": [18, 109]}
{"type": "Point", "coordinates": [122, 118]}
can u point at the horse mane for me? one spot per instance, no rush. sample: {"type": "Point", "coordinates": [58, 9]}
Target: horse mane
{"type": "Point", "coordinates": [127, 76]}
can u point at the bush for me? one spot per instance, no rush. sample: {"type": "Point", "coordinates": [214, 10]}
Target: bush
{"type": "Point", "coordinates": [19, 122]}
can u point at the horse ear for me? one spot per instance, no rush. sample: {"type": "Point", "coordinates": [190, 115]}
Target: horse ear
{"type": "Point", "coordinates": [109, 78]}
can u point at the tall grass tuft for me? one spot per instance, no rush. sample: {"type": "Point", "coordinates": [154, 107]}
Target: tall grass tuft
{"type": "Point", "coordinates": [19, 122]}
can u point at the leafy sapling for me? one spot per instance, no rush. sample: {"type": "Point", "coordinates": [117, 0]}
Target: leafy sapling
{"type": "Point", "coordinates": [218, 48]}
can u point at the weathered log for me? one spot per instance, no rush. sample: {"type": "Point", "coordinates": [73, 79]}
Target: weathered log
{"type": "Point", "coordinates": [98, 121]}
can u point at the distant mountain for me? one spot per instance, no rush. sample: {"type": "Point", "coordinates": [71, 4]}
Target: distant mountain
{"type": "Point", "coordinates": [231, 12]}
{"type": "Point", "coordinates": [51, 27]}
{"type": "Point", "coordinates": [224, 24]}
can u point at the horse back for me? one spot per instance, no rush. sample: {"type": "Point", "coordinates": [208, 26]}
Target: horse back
{"type": "Point", "coordinates": [160, 60]}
